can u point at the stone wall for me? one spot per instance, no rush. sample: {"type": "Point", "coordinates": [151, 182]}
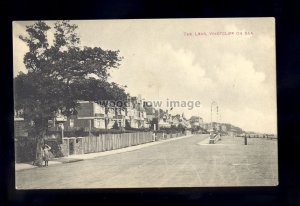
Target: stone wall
{"type": "Point", "coordinates": [78, 146]}
{"type": "Point", "coordinates": [19, 129]}
{"type": "Point", "coordinates": [65, 147]}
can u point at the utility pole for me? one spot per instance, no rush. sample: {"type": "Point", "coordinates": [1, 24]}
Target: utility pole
{"type": "Point", "coordinates": [212, 133]}
{"type": "Point", "coordinates": [211, 112]}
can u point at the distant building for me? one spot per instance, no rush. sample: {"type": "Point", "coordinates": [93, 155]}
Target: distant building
{"type": "Point", "coordinates": [89, 115]}
{"type": "Point", "coordinates": [19, 124]}
{"type": "Point", "coordinates": [136, 114]}
{"type": "Point", "coordinates": [92, 115]}
{"type": "Point", "coordinates": [164, 119]}
{"type": "Point", "coordinates": [176, 119]}
{"type": "Point", "coordinates": [150, 113]}
{"type": "Point", "coordinates": [196, 121]}
{"type": "Point", "coordinates": [223, 128]}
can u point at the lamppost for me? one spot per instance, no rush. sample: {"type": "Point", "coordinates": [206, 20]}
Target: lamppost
{"type": "Point", "coordinates": [213, 136]}
{"type": "Point", "coordinates": [61, 126]}
{"type": "Point", "coordinates": [219, 120]}
{"type": "Point", "coordinates": [211, 131]}
{"type": "Point", "coordinates": [211, 112]}
{"type": "Point", "coordinates": [220, 124]}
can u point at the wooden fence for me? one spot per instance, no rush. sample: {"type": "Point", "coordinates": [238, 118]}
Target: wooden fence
{"type": "Point", "coordinates": [106, 142]}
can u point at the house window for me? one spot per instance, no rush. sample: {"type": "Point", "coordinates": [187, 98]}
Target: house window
{"type": "Point", "coordinates": [97, 123]}
{"type": "Point", "coordinates": [71, 122]}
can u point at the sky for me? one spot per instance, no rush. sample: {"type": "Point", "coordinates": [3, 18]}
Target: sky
{"type": "Point", "coordinates": [187, 60]}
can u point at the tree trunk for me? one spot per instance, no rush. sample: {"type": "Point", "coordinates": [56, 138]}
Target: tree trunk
{"type": "Point", "coordinates": [39, 150]}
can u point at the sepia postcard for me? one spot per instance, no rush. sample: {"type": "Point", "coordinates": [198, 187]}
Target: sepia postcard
{"type": "Point", "coordinates": [145, 103]}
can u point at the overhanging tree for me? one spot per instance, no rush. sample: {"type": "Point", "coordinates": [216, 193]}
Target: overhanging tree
{"type": "Point", "coordinates": [59, 74]}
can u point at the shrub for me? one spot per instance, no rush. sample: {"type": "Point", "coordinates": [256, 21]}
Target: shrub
{"type": "Point", "coordinates": [115, 126]}
{"type": "Point", "coordinates": [127, 125]}
{"type": "Point", "coordinates": [76, 132]}
{"type": "Point", "coordinates": [25, 149]}
{"type": "Point", "coordinates": [55, 148]}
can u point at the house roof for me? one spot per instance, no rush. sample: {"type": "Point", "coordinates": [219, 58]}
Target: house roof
{"type": "Point", "coordinates": [195, 117]}
{"type": "Point", "coordinates": [176, 116]}
{"type": "Point", "coordinates": [149, 110]}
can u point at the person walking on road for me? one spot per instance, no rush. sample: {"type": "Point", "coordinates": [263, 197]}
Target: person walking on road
{"type": "Point", "coordinates": [46, 155]}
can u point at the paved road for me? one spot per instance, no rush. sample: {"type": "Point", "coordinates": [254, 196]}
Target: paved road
{"type": "Point", "coordinates": [188, 162]}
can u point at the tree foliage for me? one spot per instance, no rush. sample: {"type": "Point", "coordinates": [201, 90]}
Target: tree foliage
{"type": "Point", "coordinates": [115, 125]}
{"type": "Point", "coordinates": [127, 125]}
{"type": "Point", "coordinates": [61, 72]}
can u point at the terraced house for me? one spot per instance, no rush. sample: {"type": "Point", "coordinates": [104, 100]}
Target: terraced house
{"type": "Point", "coordinates": [196, 121]}
{"type": "Point", "coordinates": [91, 115]}
{"type": "Point", "coordinates": [136, 114]}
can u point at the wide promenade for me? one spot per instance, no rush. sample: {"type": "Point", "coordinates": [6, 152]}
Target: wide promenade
{"type": "Point", "coordinates": [186, 162]}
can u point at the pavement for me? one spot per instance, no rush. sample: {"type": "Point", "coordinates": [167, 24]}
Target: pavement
{"type": "Point", "coordinates": [181, 162]}
{"type": "Point", "coordinates": [81, 157]}
{"type": "Point", "coordinates": [62, 160]}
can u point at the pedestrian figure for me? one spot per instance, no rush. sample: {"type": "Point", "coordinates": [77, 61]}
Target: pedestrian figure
{"type": "Point", "coordinates": [46, 150]}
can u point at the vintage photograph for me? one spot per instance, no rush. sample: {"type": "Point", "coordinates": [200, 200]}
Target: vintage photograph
{"type": "Point", "coordinates": [145, 103]}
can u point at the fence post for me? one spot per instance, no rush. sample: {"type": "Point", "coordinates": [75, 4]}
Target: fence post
{"type": "Point", "coordinates": [141, 138]}
{"type": "Point", "coordinates": [103, 142]}
{"type": "Point", "coordinates": [88, 145]}
{"type": "Point", "coordinates": [118, 141]}
{"type": "Point", "coordinates": [134, 138]}
{"type": "Point", "coordinates": [108, 141]}
{"type": "Point", "coordinates": [112, 142]}
{"type": "Point", "coordinates": [124, 140]}
{"type": "Point", "coordinates": [121, 141]}
{"type": "Point", "coordinates": [95, 143]}
{"type": "Point", "coordinates": [100, 143]}
{"type": "Point", "coordinates": [83, 142]}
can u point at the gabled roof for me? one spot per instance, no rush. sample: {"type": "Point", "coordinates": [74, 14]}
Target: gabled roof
{"type": "Point", "coordinates": [176, 116]}
{"type": "Point", "coordinates": [149, 110]}
{"type": "Point", "coordinates": [195, 117]}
